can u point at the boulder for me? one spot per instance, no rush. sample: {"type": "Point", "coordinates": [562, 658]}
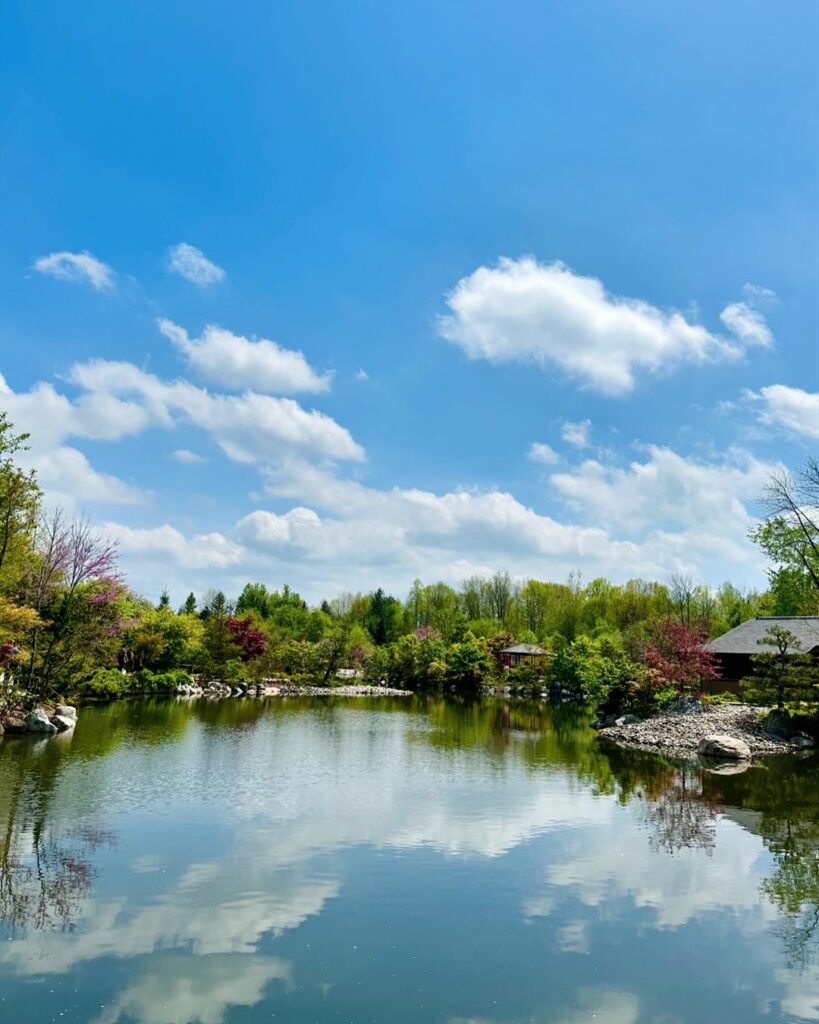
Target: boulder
{"type": "Point", "coordinates": [37, 721]}
{"type": "Point", "coordinates": [66, 711]}
{"type": "Point", "coordinates": [803, 742]}
{"type": "Point", "coordinates": [15, 726]}
{"type": "Point", "coordinates": [724, 746]}
{"type": "Point", "coordinates": [627, 720]}
{"type": "Point", "coordinates": [63, 723]}
{"type": "Point", "coordinates": [778, 723]}
{"type": "Point", "coordinates": [686, 706]}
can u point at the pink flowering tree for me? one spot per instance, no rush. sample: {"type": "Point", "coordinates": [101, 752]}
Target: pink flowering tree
{"type": "Point", "coordinates": [75, 587]}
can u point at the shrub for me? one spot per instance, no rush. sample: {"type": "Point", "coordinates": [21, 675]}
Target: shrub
{"type": "Point", "coordinates": [146, 681]}
{"type": "Point", "coordinates": [594, 669]}
{"type": "Point", "coordinates": [104, 684]}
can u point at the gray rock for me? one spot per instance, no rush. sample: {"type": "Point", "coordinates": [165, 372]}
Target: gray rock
{"type": "Point", "coordinates": [37, 721]}
{"type": "Point", "coordinates": [722, 745]}
{"type": "Point", "coordinates": [803, 742]}
{"type": "Point", "coordinates": [778, 723]}
{"type": "Point", "coordinates": [627, 720]}
{"type": "Point", "coordinates": [63, 723]}
{"type": "Point", "coordinates": [686, 706]}
{"type": "Point", "coordinates": [66, 711]}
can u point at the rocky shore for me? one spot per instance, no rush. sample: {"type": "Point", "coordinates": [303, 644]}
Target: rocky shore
{"type": "Point", "coordinates": [730, 731]}
{"type": "Point", "coordinates": [286, 688]}
{"type": "Point", "coordinates": [43, 721]}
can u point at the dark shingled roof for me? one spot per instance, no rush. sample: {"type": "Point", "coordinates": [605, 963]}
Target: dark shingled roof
{"type": "Point", "coordinates": [743, 638]}
{"type": "Point", "coordinates": [523, 649]}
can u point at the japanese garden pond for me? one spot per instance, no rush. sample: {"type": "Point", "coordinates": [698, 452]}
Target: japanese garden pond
{"type": "Point", "coordinates": [411, 861]}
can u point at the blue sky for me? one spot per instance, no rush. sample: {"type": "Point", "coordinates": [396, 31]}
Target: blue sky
{"type": "Point", "coordinates": [417, 240]}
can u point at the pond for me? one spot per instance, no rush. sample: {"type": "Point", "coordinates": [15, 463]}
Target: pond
{"type": "Point", "coordinates": [411, 861]}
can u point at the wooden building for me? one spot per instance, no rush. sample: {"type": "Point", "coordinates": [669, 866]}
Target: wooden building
{"type": "Point", "coordinates": [735, 648]}
{"type": "Point", "coordinates": [521, 654]}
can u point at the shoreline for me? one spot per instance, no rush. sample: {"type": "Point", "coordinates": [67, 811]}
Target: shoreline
{"type": "Point", "coordinates": [679, 733]}
{"type": "Point", "coordinates": [288, 689]}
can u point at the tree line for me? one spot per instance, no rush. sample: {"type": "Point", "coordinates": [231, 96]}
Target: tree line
{"type": "Point", "coordinates": [70, 624]}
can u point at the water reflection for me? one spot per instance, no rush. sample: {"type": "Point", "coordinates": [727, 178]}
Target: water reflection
{"type": "Point", "coordinates": [211, 861]}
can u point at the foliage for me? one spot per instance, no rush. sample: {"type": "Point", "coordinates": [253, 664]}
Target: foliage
{"type": "Point", "coordinates": [250, 641]}
{"type": "Point", "coordinates": [677, 653]}
{"type": "Point", "coordinates": [104, 684]}
{"type": "Point", "coordinates": [790, 538]}
{"type": "Point", "coordinates": [588, 668]}
{"type": "Point", "coordinates": [782, 673]}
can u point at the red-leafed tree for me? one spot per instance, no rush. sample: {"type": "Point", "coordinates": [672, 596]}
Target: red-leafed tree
{"type": "Point", "coordinates": [250, 640]}
{"type": "Point", "coordinates": [677, 652]}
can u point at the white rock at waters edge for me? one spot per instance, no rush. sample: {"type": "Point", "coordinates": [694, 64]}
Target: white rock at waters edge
{"type": "Point", "coordinates": [63, 723]}
{"type": "Point", "coordinates": [722, 745]}
{"type": "Point", "coordinates": [37, 721]}
{"type": "Point", "coordinates": [66, 711]}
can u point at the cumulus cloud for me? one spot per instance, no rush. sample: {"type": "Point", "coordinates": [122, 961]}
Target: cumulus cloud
{"type": "Point", "coordinates": [248, 428]}
{"type": "Point", "coordinates": [192, 264]}
{"type": "Point", "coordinates": [235, 362]}
{"type": "Point", "coordinates": [64, 471]}
{"type": "Point", "coordinates": [539, 451]}
{"type": "Point", "coordinates": [166, 543]}
{"type": "Point", "coordinates": [793, 409]}
{"type": "Point", "coordinates": [185, 456]}
{"type": "Point", "coordinates": [77, 266]}
{"type": "Point", "coordinates": [527, 312]}
{"type": "Point", "coordinates": [68, 477]}
{"type": "Point", "coordinates": [669, 491]}
{"type": "Point", "coordinates": [577, 433]}
{"type": "Point", "coordinates": [747, 323]}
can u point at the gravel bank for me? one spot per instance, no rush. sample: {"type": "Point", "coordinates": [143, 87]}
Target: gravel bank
{"type": "Point", "coordinates": [679, 734]}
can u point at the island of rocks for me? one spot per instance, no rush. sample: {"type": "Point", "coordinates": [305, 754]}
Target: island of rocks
{"type": "Point", "coordinates": [690, 728]}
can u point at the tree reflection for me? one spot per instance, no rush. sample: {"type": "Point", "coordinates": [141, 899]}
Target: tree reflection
{"type": "Point", "coordinates": [682, 816]}
{"type": "Point", "coordinates": [782, 796]}
{"type": "Point", "coordinates": [46, 869]}
{"type": "Point", "coordinates": [776, 800]}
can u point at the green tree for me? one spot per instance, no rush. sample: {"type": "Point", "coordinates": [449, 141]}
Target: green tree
{"type": "Point", "coordinates": [384, 618]}
{"type": "Point", "coordinates": [782, 673]}
{"type": "Point", "coordinates": [790, 538]}
{"type": "Point", "coordinates": [219, 646]}
{"type": "Point", "coordinates": [19, 504]}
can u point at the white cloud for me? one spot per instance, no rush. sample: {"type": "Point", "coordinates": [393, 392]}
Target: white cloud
{"type": "Point", "coordinates": [577, 434]}
{"type": "Point", "coordinates": [77, 266]}
{"type": "Point", "coordinates": [669, 491]}
{"type": "Point", "coordinates": [539, 451]}
{"type": "Point", "coordinates": [186, 456]}
{"type": "Point", "coordinates": [65, 472]}
{"type": "Point", "coordinates": [68, 478]}
{"type": "Point", "coordinates": [748, 324]}
{"type": "Point", "coordinates": [192, 264]}
{"type": "Point", "coordinates": [248, 427]}
{"type": "Point", "coordinates": [362, 375]}
{"type": "Point", "coordinates": [792, 408]}
{"type": "Point", "coordinates": [166, 544]}
{"type": "Point", "coordinates": [545, 314]}
{"type": "Point", "coordinates": [235, 362]}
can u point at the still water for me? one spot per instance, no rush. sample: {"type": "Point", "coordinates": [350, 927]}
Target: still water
{"type": "Point", "coordinates": [402, 861]}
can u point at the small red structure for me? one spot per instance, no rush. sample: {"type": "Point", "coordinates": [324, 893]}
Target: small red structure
{"type": "Point", "coordinates": [521, 654]}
